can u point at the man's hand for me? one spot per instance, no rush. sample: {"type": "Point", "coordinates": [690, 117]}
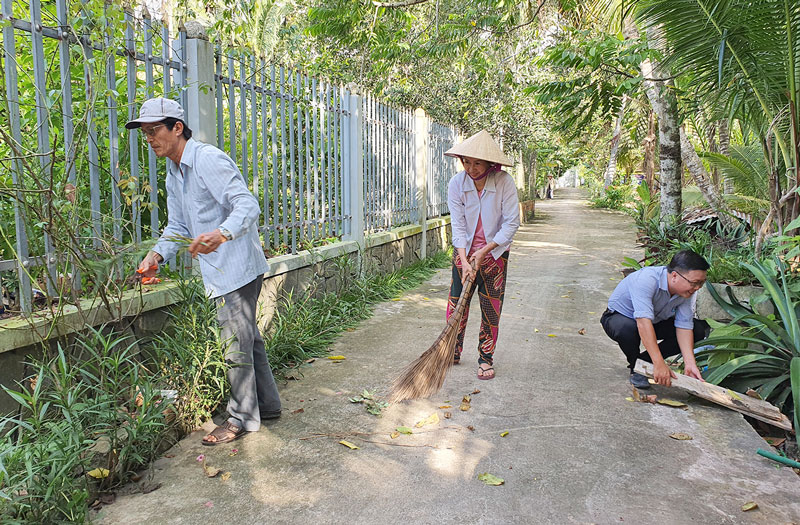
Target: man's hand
{"type": "Point", "coordinates": [691, 370]}
{"type": "Point", "coordinates": [206, 242]}
{"type": "Point", "coordinates": [662, 373]}
{"type": "Point", "coordinates": [149, 265]}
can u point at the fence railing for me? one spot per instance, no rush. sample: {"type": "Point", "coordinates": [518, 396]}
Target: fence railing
{"type": "Point", "coordinates": [323, 161]}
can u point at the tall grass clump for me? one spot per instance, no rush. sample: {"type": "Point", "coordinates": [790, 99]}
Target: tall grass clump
{"type": "Point", "coordinates": [305, 327]}
{"type": "Point", "coordinates": [89, 417]}
{"type": "Point", "coordinates": [190, 356]}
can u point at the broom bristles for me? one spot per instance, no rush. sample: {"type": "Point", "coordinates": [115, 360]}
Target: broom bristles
{"type": "Point", "coordinates": [426, 375]}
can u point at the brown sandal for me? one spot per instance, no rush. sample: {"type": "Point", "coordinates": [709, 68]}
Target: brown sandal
{"type": "Point", "coordinates": [225, 433]}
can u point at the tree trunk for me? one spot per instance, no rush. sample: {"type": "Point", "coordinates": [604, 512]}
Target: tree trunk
{"type": "Point", "coordinates": [725, 149]}
{"type": "Point", "coordinates": [649, 163]}
{"type": "Point", "coordinates": [611, 169]}
{"type": "Point", "coordinates": [665, 105]}
{"type": "Point", "coordinates": [701, 177]}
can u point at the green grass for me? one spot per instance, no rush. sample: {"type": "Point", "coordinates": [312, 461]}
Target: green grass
{"type": "Point", "coordinates": [305, 327]}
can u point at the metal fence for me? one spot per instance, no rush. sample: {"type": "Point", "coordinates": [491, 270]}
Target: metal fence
{"type": "Point", "coordinates": [290, 135]}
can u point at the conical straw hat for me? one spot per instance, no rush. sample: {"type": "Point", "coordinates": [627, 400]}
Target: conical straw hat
{"type": "Point", "coordinates": [480, 146]}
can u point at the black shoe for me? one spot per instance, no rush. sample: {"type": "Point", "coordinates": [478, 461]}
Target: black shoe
{"type": "Point", "coordinates": [270, 415]}
{"type": "Point", "coordinates": [639, 381]}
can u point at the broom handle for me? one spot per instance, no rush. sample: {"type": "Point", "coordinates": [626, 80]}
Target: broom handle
{"type": "Point", "coordinates": [466, 292]}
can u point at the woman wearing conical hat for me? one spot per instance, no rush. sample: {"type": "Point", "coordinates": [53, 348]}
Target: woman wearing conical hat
{"type": "Point", "coordinates": [484, 215]}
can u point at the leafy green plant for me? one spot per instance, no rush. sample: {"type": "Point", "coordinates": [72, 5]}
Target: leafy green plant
{"type": "Point", "coordinates": [190, 356]}
{"type": "Point", "coordinates": [758, 351]}
{"type": "Point", "coordinates": [615, 198]}
{"type": "Point", "coordinates": [92, 405]}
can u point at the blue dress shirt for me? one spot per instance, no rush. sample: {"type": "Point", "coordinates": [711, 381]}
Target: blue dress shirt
{"type": "Point", "coordinates": [205, 192]}
{"type": "Point", "coordinates": [644, 294]}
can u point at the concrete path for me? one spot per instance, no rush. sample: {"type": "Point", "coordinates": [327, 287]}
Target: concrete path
{"type": "Point", "coordinates": [576, 450]}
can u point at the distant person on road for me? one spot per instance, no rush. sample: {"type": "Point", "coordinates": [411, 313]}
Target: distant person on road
{"type": "Point", "coordinates": [550, 188]}
{"type": "Point", "coordinates": [658, 303]}
{"type": "Point", "coordinates": [484, 214]}
{"type": "Point", "coordinates": [208, 200]}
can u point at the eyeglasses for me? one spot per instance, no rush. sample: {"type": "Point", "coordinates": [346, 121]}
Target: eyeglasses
{"type": "Point", "coordinates": [151, 132]}
{"type": "Point", "coordinates": [693, 284]}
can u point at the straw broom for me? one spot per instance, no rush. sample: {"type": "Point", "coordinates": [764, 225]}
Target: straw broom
{"type": "Point", "coordinates": [425, 376]}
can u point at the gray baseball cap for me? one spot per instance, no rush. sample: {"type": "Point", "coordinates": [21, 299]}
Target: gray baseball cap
{"type": "Point", "coordinates": [156, 110]}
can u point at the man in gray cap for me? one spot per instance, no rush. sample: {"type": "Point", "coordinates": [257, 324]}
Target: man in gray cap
{"type": "Point", "coordinates": [208, 200]}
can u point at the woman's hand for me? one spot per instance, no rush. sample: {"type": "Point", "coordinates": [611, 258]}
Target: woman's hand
{"type": "Point", "coordinates": [467, 269]}
{"type": "Point", "coordinates": [478, 256]}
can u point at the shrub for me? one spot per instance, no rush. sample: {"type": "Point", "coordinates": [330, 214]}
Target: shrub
{"type": "Point", "coordinates": [614, 198]}
{"type": "Point", "coordinates": [757, 351]}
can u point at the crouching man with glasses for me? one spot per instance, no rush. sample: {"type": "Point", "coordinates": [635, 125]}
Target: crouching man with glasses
{"type": "Point", "coordinates": [655, 306]}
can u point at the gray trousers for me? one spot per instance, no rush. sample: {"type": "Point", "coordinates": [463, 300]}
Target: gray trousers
{"type": "Point", "coordinates": [253, 389]}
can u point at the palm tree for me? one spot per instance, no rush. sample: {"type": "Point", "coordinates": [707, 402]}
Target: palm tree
{"type": "Point", "coordinates": [742, 56]}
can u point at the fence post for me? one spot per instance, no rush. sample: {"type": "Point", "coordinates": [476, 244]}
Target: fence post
{"type": "Point", "coordinates": [200, 86]}
{"type": "Point", "coordinates": [355, 168]}
{"type": "Point", "coordinates": [421, 181]}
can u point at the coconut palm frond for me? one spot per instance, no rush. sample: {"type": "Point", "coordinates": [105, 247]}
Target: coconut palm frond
{"type": "Point", "coordinates": [745, 167]}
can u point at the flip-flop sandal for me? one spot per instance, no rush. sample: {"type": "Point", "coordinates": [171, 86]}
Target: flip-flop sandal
{"type": "Point", "coordinates": [225, 433]}
{"type": "Point", "coordinates": [483, 375]}
{"type": "Point", "coordinates": [457, 361]}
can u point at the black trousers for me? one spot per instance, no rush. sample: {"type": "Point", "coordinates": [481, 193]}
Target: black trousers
{"type": "Point", "coordinates": [624, 331]}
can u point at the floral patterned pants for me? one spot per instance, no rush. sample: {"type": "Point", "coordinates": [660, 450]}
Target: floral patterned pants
{"type": "Point", "coordinates": [491, 286]}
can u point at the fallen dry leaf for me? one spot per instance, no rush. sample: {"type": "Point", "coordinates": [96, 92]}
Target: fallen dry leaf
{"type": "Point", "coordinates": [430, 420]}
{"type": "Point", "coordinates": [98, 473]}
{"type": "Point", "coordinates": [552, 335]}
{"type": "Point", "coordinates": [211, 472]}
{"type": "Point", "coordinates": [404, 430]}
{"type": "Point", "coordinates": [536, 330]}
{"type": "Point", "coordinates": [446, 406]}
{"type": "Point", "coordinates": [476, 391]}
{"type": "Point", "coordinates": [750, 505]}
{"type": "Point", "coordinates": [752, 393]}
{"type": "Point", "coordinates": [503, 434]}
{"type": "Point", "coordinates": [582, 331]}
{"type": "Point", "coordinates": [490, 479]}
{"type": "Point", "coordinates": [680, 436]}
{"type": "Point", "coordinates": [775, 441]}
{"type": "Point", "coordinates": [565, 296]}
{"type": "Point", "coordinates": [337, 357]}
{"type": "Point", "coordinates": [226, 476]}
{"type": "Point", "coordinates": [673, 403]}
{"type": "Point", "coordinates": [394, 435]}
{"type": "Point", "coordinates": [348, 445]}
{"type": "Point", "coordinates": [465, 403]}
{"type": "Point", "coordinates": [448, 415]}
{"type": "Point", "coordinates": [583, 264]}
{"type": "Point", "coordinates": [471, 428]}
{"type": "Point", "coordinates": [298, 411]}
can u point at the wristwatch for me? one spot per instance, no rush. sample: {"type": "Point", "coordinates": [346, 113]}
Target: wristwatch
{"type": "Point", "coordinates": [226, 233]}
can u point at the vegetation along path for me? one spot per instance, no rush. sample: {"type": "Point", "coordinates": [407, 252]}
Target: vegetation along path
{"type": "Point", "coordinates": [575, 450]}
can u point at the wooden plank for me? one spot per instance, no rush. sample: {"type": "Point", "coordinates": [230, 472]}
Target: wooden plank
{"type": "Point", "coordinates": [750, 406]}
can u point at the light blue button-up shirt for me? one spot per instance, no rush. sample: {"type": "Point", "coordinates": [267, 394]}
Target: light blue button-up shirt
{"type": "Point", "coordinates": [644, 294]}
{"type": "Point", "coordinates": [498, 207]}
{"type": "Point", "coordinates": [204, 192]}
